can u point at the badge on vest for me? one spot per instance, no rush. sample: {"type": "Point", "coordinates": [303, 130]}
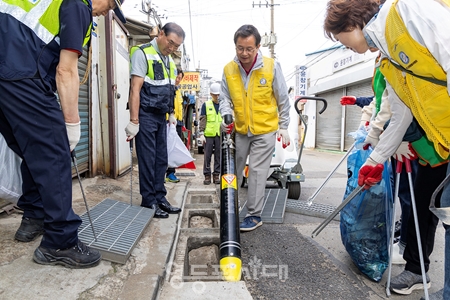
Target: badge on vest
{"type": "Point", "coordinates": [403, 57]}
{"type": "Point", "coordinates": [262, 81]}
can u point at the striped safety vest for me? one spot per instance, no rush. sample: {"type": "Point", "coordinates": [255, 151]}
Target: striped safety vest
{"type": "Point", "coordinates": [213, 120]}
{"type": "Point", "coordinates": [42, 18]}
{"type": "Point", "coordinates": [158, 91]}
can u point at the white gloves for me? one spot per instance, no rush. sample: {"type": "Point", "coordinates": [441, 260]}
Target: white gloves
{"type": "Point", "coordinates": [372, 138]}
{"type": "Point", "coordinates": [405, 151]}
{"type": "Point", "coordinates": [131, 130]}
{"type": "Point", "coordinates": [172, 120]}
{"type": "Point", "coordinates": [202, 139]}
{"type": "Point", "coordinates": [227, 128]}
{"type": "Point", "coordinates": [73, 133]}
{"type": "Point", "coordinates": [283, 136]}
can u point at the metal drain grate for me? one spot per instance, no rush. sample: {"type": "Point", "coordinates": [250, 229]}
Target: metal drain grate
{"type": "Point", "coordinates": [315, 210]}
{"type": "Point", "coordinates": [274, 205]}
{"type": "Point", "coordinates": [178, 173]}
{"type": "Point", "coordinates": [118, 227]}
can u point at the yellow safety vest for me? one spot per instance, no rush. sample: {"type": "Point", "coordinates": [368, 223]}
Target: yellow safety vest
{"type": "Point", "coordinates": [213, 120]}
{"type": "Point", "coordinates": [178, 103]}
{"type": "Point", "coordinates": [42, 17]}
{"type": "Point", "coordinates": [255, 109]}
{"type": "Point", "coordinates": [157, 92]}
{"type": "Point", "coordinates": [429, 102]}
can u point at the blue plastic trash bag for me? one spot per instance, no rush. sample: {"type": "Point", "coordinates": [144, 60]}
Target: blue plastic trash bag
{"type": "Point", "coordinates": [366, 220]}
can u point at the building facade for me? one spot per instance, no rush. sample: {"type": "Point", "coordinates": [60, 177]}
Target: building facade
{"type": "Point", "coordinates": [331, 74]}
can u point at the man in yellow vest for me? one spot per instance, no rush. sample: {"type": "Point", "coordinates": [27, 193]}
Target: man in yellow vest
{"type": "Point", "coordinates": [414, 41]}
{"type": "Point", "coordinates": [153, 75]}
{"type": "Point", "coordinates": [209, 134]}
{"type": "Point", "coordinates": [40, 44]}
{"type": "Point", "coordinates": [255, 92]}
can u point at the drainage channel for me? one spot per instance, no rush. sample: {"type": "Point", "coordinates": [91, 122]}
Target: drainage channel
{"type": "Point", "coordinates": [197, 251]}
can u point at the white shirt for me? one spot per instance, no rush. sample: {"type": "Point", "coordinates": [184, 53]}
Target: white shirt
{"type": "Point", "coordinates": [428, 23]}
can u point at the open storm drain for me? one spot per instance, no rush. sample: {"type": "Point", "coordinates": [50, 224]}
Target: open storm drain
{"type": "Point", "coordinates": [118, 227]}
{"type": "Point", "coordinates": [274, 205]}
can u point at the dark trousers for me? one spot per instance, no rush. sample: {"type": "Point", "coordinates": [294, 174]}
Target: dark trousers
{"type": "Point", "coordinates": [427, 180]}
{"type": "Point", "coordinates": [212, 144]}
{"type": "Point", "coordinates": [151, 150]}
{"type": "Point", "coordinates": [33, 125]}
{"type": "Point", "coordinates": [404, 194]}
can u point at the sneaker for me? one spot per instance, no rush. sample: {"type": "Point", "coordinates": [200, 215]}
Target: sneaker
{"type": "Point", "coordinates": [172, 178]}
{"type": "Point", "coordinates": [397, 258]}
{"type": "Point", "coordinates": [397, 228]}
{"type": "Point", "coordinates": [29, 229]}
{"type": "Point", "coordinates": [407, 281]}
{"type": "Point", "coordinates": [76, 257]}
{"type": "Point", "coordinates": [439, 295]}
{"type": "Point", "coordinates": [250, 223]}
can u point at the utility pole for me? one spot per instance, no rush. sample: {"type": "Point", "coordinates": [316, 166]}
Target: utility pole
{"type": "Point", "coordinates": [272, 29]}
{"type": "Point", "coordinates": [269, 40]}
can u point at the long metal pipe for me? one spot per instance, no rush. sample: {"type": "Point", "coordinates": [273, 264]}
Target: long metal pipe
{"type": "Point", "coordinates": [230, 244]}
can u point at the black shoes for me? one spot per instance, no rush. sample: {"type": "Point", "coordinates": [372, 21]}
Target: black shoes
{"type": "Point", "coordinates": [29, 229]}
{"type": "Point", "coordinates": [165, 206]}
{"type": "Point", "coordinates": [162, 210]}
{"type": "Point", "coordinates": [78, 257]}
{"type": "Point", "coordinates": [158, 212]}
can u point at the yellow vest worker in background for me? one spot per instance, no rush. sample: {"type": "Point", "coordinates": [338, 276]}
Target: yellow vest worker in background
{"type": "Point", "coordinates": [178, 113]}
{"type": "Point", "coordinates": [210, 121]}
{"type": "Point", "coordinates": [255, 92]}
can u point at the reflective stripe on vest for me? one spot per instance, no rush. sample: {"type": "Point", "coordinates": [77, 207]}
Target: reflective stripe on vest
{"type": "Point", "coordinates": [151, 56]}
{"type": "Point", "coordinates": [213, 120]}
{"type": "Point", "coordinates": [429, 102]}
{"type": "Point", "coordinates": [42, 17]}
{"type": "Point", "coordinates": [255, 109]}
{"type": "Point", "coordinates": [157, 92]}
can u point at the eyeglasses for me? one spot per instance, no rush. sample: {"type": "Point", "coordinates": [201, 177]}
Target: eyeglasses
{"type": "Point", "coordinates": [242, 50]}
{"type": "Point", "coordinates": [172, 45]}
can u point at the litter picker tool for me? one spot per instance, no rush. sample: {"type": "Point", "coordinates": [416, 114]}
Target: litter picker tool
{"type": "Point", "coordinates": [398, 171]}
{"type": "Point", "coordinates": [314, 195]}
{"type": "Point", "coordinates": [416, 225]}
{"type": "Point", "coordinates": [336, 211]}
{"type": "Point", "coordinates": [131, 171]}
{"type": "Point", "coordinates": [74, 159]}
{"type": "Point", "coordinates": [442, 213]}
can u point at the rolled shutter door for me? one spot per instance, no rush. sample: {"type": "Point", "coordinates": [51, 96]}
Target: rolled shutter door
{"type": "Point", "coordinates": [82, 148]}
{"type": "Point", "coordinates": [328, 124]}
{"type": "Point", "coordinates": [353, 112]}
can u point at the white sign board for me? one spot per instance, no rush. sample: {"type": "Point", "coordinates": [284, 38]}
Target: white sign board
{"type": "Point", "coordinates": [301, 87]}
{"type": "Point", "coordinates": [346, 61]}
